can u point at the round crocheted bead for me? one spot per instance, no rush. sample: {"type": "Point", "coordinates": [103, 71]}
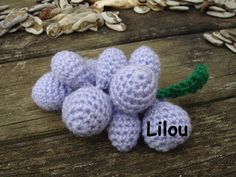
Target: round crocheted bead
{"type": "Point", "coordinates": [124, 131]}
{"type": "Point", "coordinates": [92, 69]}
{"type": "Point", "coordinates": [133, 88]}
{"type": "Point", "coordinates": [48, 93]}
{"type": "Point", "coordinates": [70, 69]}
{"type": "Point", "coordinates": [164, 114]}
{"type": "Point", "coordinates": [109, 62]}
{"type": "Point", "coordinates": [146, 56]}
{"type": "Point", "coordinates": [87, 111]}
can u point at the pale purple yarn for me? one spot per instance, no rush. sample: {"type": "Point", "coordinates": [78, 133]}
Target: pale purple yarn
{"type": "Point", "coordinates": [124, 131]}
{"type": "Point", "coordinates": [146, 56]}
{"type": "Point", "coordinates": [109, 62]}
{"type": "Point", "coordinates": [48, 93]}
{"type": "Point", "coordinates": [133, 88]}
{"type": "Point", "coordinates": [77, 87]}
{"type": "Point", "coordinates": [87, 111]}
{"type": "Point", "coordinates": [70, 69]}
{"type": "Point", "coordinates": [174, 116]}
{"type": "Point", "coordinates": [92, 69]}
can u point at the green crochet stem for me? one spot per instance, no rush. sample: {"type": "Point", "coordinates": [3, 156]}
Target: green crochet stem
{"type": "Point", "coordinates": [195, 81]}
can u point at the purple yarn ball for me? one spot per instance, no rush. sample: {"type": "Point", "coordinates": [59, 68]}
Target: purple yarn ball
{"type": "Point", "coordinates": [70, 69]}
{"type": "Point", "coordinates": [48, 93]}
{"type": "Point", "coordinates": [133, 88]}
{"type": "Point", "coordinates": [174, 116]}
{"type": "Point", "coordinates": [87, 111]}
{"type": "Point", "coordinates": [109, 62]}
{"type": "Point", "coordinates": [124, 131]}
{"type": "Point", "coordinates": [146, 56]}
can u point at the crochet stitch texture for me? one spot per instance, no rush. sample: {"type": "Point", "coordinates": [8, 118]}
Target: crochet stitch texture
{"type": "Point", "coordinates": [147, 57]}
{"type": "Point", "coordinates": [109, 62]}
{"type": "Point", "coordinates": [70, 69]}
{"type": "Point", "coordinates": [124, 130]}
{"type": "Point", "coordinates": [133, 88]}
{"type": "Point", "coordinates": [48, 93]}
{"type": "Point", "coordinates": [194, 82]}
{"type": "Point", "coordinates": [92, 69]}
{"type": "Point", "coordinates": [87, 111]}
{"type": "Point", "coordinates": [162, 111]}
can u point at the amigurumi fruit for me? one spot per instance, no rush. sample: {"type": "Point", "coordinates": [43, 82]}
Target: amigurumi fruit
{"type": "Point", "coordinates": [133, 88]}
{"type": "Point", "coordinates": [109, 62]}
{"type": "Point", "coordinates": [124, 130]}
{"type": "Point", "coordinates": [77, 87]}
{"type": "Point", "coordinates": [87, 111]}
{"type": "Point", "coordinates": [146, 56]}
{"type": "Point", "coordinates": [48, 93]}
{"type": "Point", "coordinates": [70, 69]}
{"type": "Point", "coordinates": [176, 120]}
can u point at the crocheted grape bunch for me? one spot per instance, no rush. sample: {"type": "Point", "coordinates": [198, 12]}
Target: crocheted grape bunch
{"type": "Point", "coordinates": [109, 94]}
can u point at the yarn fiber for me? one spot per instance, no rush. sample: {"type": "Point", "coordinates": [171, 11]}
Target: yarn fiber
{"type": "Point", "coordinates": [70, 69]}
{"type": "Point", "coordinates": [195, 81]}
{"type": "Point", "coordinates": [133, 88]}
{"type": "Point", "coordinates": [111, 93]}
{"type": "Point", "coordinates": [48, 93]}
{"type": "Point", "coordinates": [109, 62]}
{"type": "Point", "coordinates": [147, 57]}
{"type": "Point", "coordinates": [162, 111]}
{"type": "Point", "coordinates": [87, 111]}
{"type": "Point", "coordinates": [92, 69]}
{"type": "Point", "coordinates": [124, 131]}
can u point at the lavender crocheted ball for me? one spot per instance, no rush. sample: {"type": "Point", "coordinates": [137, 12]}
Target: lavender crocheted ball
{"type": "Point", "coordinates": [133, 88]}
{"type": "Point", "coordinates": [87, 111]}
{"type": "Point", "coordinates": [146, 56]}
{"type": "Point", "coordinates": [124, 131]}
{"type": "Point", "coordinates": [70, 69]}
{"type": "Point", "coordinates": [109, 62]}
{"type": "Point", "coordinates": [176, 120]}
{"type": "Point", "coordinates": [92, 69]}
{"type": "Point", "coordinates": [48, 93]}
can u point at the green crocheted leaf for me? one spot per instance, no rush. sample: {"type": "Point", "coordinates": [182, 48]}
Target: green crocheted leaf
{"type": "Point", "coordinates": [195, 81]}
